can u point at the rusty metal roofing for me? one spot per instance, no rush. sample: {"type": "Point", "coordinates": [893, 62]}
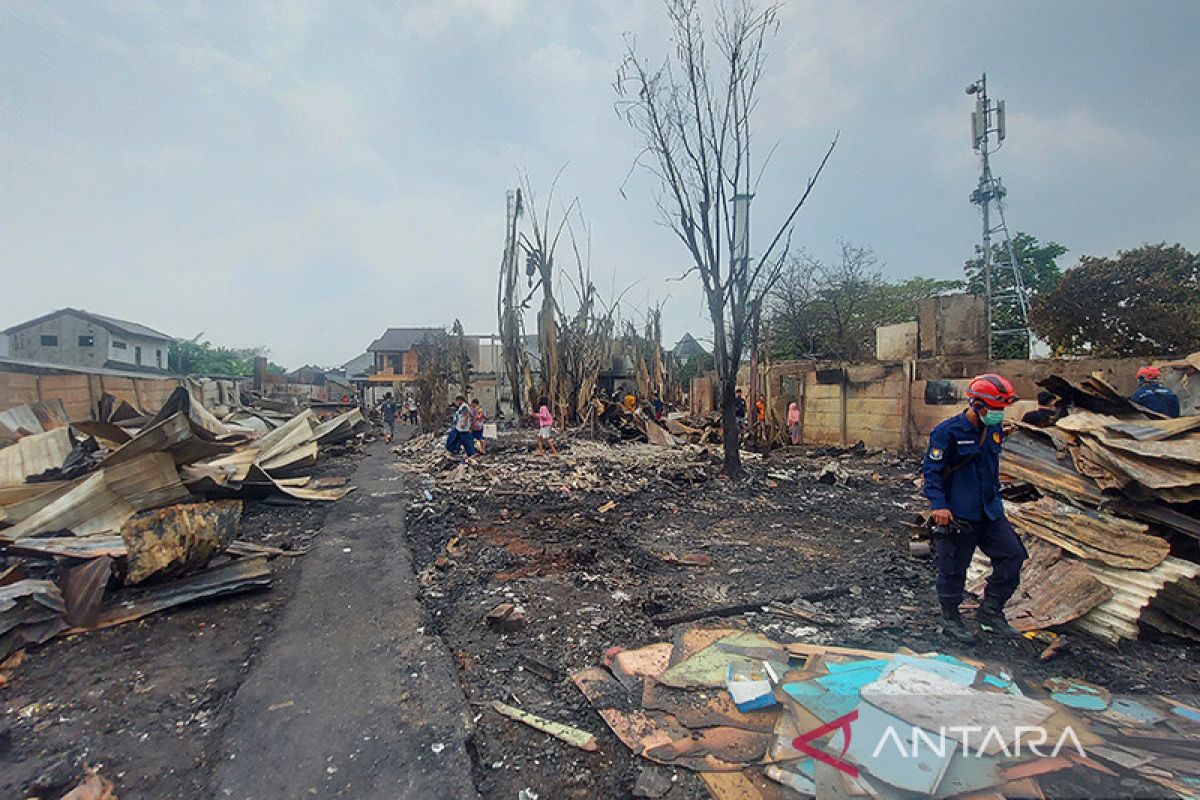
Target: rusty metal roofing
{"type": "Point", "coordinates": [33, 455]}
{"type": "Point", "coordinates": [1133, 591]}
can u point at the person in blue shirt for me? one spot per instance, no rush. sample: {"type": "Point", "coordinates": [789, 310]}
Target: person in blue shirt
{"type": "Point", "coordinates": [962, 483]}
{"type": "Point", "coordinates": [1153, 395]}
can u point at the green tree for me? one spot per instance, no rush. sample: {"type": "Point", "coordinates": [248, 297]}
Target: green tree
{"type": "Point", "coordinates": [199, 357]}
{"type": "Point", "coordinates": [1040, 273]}
{"type": "Point", "coordinates": [1144, 302]}
{"type": "Point", "coordinates": [832, 311]}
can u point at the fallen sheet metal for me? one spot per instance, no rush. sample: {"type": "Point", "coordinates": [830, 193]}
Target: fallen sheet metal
{"type": "Point", "coordinates": [340, 428]}
{"type": "Point", "coordinates": [69, 546]}
{"type": "Point", "coordinates": [83, 507]}
{"type": "Point", "coordinates": [1029, 457]}
{"type": "Point", "coordinates": [1054, 589]}
{"type": "Point", "coordinates": [168, 541]}
{"type": "Point", "coordinates": [1133, 591]}
{"type": "Point", "coordinates": [108, 434]}
{"type": "Point", "coordinates": [1089, 534]}
{"type": "Point", "coordinates": [243, 574]}
{"type": "Point", "coordinates": [34, 454]}
{"type": "Point", "coordinates": [174, 435]}
{"type": "Point", "coordinates": [35, 417]}
{"type": "Point", "coordinates": [31, 611]}
{"type": "Point", "coordinates": [83, 590]}
{"type": "Point", "coordinates": [102, 501]}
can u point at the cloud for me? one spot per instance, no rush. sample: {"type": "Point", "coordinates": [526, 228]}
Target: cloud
{"type": "Point", "coordinates": [1075, 134]}
{"type": "Point", "coordinates": [427, 17]}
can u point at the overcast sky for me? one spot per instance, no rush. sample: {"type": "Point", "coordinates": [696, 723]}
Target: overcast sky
{"type": "Point", "coordinates": [302, 175]}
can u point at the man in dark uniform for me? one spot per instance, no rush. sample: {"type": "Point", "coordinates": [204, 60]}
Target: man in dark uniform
{"type": "Point", "coordinates": [962, 482]}
{"type": "Point", "coordinates": [1153, 395]}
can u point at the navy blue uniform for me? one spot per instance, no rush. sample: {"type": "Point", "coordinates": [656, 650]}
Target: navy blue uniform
{"type": "Point", "coordinates": [1157, 397]}
{"type": "Point", "coordinates": [962, 474]}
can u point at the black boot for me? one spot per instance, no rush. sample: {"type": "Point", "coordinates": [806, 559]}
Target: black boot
{"type": "Point", "coordinates": [991, 619]}
{"type": "Point", "coordinates": [953, 626]}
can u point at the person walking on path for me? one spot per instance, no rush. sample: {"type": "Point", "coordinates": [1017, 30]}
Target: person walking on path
{"type": "Point", "coordinates": [793, 422]}
{"type": "Point", "coordinates": [545, 421]}
{"type": "Point", "coordinates": [411, 410]}
{"type": "Point", "coordinates": [460, 431]}
{"type": "Point", "coordinates": [478, 418]}
{"type": "Point", "coordinates": [962, 483]}
{"type": "Point", "coordinates": [387, 409]}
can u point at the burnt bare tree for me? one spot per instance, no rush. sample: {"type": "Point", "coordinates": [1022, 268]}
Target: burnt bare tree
{"type": "Point", "coordinates": [540, 248]}
{"type": "Point", "coordinates": [433, 377]}
{"type": "Point", "coordinates": [460, 357]}
{"type": "Point", "coordinates": [694, 113]}
{"type": "Point", "coordinates": [510, 308]}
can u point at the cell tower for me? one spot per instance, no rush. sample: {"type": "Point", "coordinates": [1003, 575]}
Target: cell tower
{"type": "Point", "coordinates": [1007, 304]}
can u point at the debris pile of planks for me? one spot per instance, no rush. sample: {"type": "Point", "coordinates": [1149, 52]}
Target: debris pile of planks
{"type": "Point", "coordinates": [755, 718]}
{"type": "Point", "coordinates": [1111, 518]}
{"type": "Point", "coordinates": [103, 522]}
{"type": "Point", "coordinates": [617, 423]}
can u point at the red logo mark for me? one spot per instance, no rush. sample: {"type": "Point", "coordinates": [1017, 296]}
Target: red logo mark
{"type": "Point", "coordinates": [842, 723]}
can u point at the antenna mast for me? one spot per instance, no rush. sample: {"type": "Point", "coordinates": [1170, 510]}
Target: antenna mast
{"type": "Point", "coordinates": [1007, 304]}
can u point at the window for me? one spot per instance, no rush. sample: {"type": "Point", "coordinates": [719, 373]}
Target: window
{"type": "Point", "coordinates": [87, 341]}
{"type": "Point", "coordinates": [49, 341]}
{"type": "Point", "coordinates": [118, 345]}
{"type": "Point", "coordinates": [158, 358]}
{"type": "Point", "coordinates": [137, 356]}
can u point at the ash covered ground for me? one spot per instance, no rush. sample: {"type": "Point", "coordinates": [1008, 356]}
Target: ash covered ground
{"type": "Point", "coordinates": [589, 546]}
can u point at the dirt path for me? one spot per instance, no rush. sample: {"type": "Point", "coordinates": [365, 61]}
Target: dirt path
{"type": "Point", "coordinates": [351, 698]}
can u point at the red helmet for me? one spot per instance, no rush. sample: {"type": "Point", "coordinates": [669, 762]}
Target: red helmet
{"type": "Point", "coordinates": [1148, 374]}
{"type": "Point", "coordinates": [992, 390]}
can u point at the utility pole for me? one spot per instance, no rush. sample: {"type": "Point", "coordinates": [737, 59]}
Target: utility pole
{"type": "Point", "coordinates": [1007, 305]}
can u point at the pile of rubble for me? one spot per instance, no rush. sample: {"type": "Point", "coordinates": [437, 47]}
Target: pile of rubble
{"type": "Point", "coordinates": [582, 464]}
{"type": "Point", "coordinates": [1106, 492]}
{"type": "Point", "coordinates": [105, 521]}
{"type": "Point", "coordinates": [755, 718]}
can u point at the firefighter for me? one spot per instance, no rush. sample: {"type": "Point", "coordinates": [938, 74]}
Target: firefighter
{"type": "Point", "coordinates": [1153, 395]}
{"type": "Point", "coordinates": [962, 483]}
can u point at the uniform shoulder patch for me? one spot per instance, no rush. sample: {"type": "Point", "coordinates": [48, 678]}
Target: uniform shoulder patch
{"type": "Point", "coordinates": [996, 437]}
{"type": "Point", "coordinates": [936, 453]}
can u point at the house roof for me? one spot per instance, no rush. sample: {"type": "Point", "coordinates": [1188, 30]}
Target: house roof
{"type": "Point", "coordinates": [688, 346]}
{"type": "Point", "coordinates": [397, 340]}
{"type": "Point", "coordinates": [360, 365]}
{"type": "Point", "coordinates": [110, 323]}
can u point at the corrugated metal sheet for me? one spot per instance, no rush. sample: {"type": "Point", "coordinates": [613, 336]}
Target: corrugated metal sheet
{"type": "Point", "coordinates": [1132, 591]}
{"type": "Point", "coordinates": [33, 455]}
{"type": "Point", "coordinates": [35, 417]}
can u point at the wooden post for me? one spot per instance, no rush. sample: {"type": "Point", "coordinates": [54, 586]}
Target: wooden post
{"type": "Point", "coordinates": [93, 412]}
{"type": "Point", "coordinates": [909, 367]}
{"type": "Point", "coordinates": [801, 402]}
{"type": "Point", "coordinates": [260, 375]}
{"type": "Point", "coordinates": [137, 396]}
{"type": "Point", "coordinates": [842, 397]}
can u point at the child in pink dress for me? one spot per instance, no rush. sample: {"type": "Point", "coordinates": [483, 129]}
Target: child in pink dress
{"type": "Point", "coordinates": [545, 422]}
